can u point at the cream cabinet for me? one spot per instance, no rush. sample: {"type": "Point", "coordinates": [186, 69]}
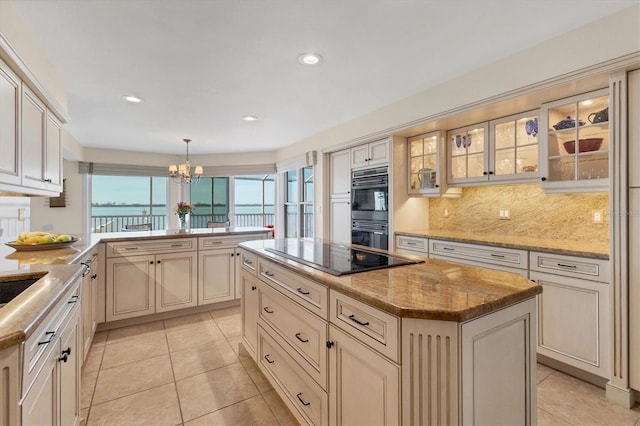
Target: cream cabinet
{"type": "Point", "coordinates": [340, 168]}
{"type": "Point", "coordinates": [51, 366]}
{"type": "Point", "coordinates": [249, 311]}
{"type": "Point", "coordinates": [340, 227]}
{"type": "Point", "coordinates": [216, 275]}
{"type": "Point", "coordinates": [567, 165]}
{"type": "Point", "coordinates": [468, 154]}
{"type": "Point", "coordinates": [499, 258]}
{"type": "Point", "coordinates": [416, 246]}
{"type": "Point", "coordinates": [513, 153]}
{"type": "Point", "coordinates": [89, 290]}
{"type": "Point", "coordinates": [176, 281]}
{"type": "Point", "coordinates": [371, 154]}
{"type": "Point", "coordinates": [634, 231]}
{"type": "Point", "coordinates": [34, 124]}
{"type": "Point", "coordinates": [10, 390]}
{"type": "Point", "coordinates": [573, 310]}
{"type": "Point", "coordinates": [10, 101]}
{"type": "Point", "coordinates": [426, 163]}
{"type": "Point", "coordinates": [365, 387]}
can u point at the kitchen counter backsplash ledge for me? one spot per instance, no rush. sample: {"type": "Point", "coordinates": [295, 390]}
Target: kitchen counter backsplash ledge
{"type": "Point", "coordinates": [594, 250]}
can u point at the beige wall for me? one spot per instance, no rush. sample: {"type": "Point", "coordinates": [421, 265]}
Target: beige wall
{"type": "Point", "coordinates": [533, 213]}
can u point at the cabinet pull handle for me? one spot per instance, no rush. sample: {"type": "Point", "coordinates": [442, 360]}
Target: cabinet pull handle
{"type": "Point", "coordinates": [490, 172]}
{"type": "Point", "coordinates": [300, 396]}
{"type": "Point", "coordinates": [157, 261]}
{"type": "Point", "coordinates": [63, 358]}
{"type": "Point", "coordinates": [562, 265]}
{"type": "Point", "coordinates": [151, 262]}
{"type": "Point", "coordinates": [131, 248]}
{"type": "Point", "coordinates": [47, 180]}
{"type": "Point", "coordinates": [266, 309]}
{"type": "Point", "coordinates": [74, 299]}
{"type": "Point", "coordinates": [51, 334]}
{"type": "Point", "coordinates": [448, 248]}
{"type": "Point", "coordinates": [301, 291]}
{"type": "Point", "coordinates": [544, 179]}
{"type": "Point", "coordinates": [248, 262]}
{"type": "Point", "coordinates": [485, 173]}
{"type": "Point", "coordinates": [94, 276]}
{"type": "Point", "coordinates": [66, 351]}
{"type": "Point", "coordinates": [357, 321]}
{"type": "Point", "coordinates": [268, 360]}
{"type": "Point", "coordinates": [253, 288]}
{"type": "Point", "coordinates": [330, 344]}
{"type": "Point", "coordinates": [410, 243]}
{"type": "Point", "coordinates": [499, 256]}
{"type": "Point", "coordinates": [268, 273]}
{"type": "Point", "coordinates": [176, 245]}
{"type": "Point", "coordinates": [301, 339]}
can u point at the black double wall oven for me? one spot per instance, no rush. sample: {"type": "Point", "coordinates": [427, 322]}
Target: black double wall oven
{"type": "Point", "coordinates": [370, 207]}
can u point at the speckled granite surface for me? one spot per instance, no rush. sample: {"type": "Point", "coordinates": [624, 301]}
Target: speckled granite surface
{"type": "Point", "coordinates": [22, 315]}
{"type": "Point", "coordinates": [434, 290]}
{"type": "Point", "coordinates": [594, 250]}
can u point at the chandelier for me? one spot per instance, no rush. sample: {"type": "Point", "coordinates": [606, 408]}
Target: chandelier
{"type": "Point", "coordinates": [182, 172]}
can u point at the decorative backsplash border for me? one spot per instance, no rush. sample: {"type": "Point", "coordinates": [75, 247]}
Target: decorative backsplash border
{"type": "Point", "coordinates": [532, 213]}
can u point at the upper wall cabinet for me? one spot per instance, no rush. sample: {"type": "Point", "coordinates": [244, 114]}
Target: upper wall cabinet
{"type": "Point", "coordinates": [370, 154]}
{"type": "Point", "coordinates": [30, 140]}
{"type": "Point", "coordinates": [467, 153]}
{"type": "Point", "coordinates": [426, 161]}
{"type": "Point", "coordinates": [9, 126]}
{"type": "Point", "coordinates": [504, 150]}
{"type": "Point", "coordinates": [567, 166]}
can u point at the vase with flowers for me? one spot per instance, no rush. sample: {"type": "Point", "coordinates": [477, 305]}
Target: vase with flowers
{"type": "Point", "coordinates": [183, 210]}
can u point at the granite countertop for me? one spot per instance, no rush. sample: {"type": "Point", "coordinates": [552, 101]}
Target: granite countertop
{"type": "Point", "coordinates": [56, 272]}
{"type": "Point", "coordinates": [594, 250]}
{"type": "Point", "coordinates": [435, 289]}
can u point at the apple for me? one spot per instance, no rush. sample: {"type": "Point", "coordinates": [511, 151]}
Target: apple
{"type": "Point", "coordinates": [46, 239]}
{"type": "Point", "coordinates": [63, 238]}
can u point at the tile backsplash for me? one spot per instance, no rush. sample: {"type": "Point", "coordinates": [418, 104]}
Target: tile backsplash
{"type": "Point", "coordinates": [532, 213]}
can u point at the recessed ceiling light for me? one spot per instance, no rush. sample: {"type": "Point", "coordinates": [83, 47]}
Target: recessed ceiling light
{"type": "Point", "coordinates": [587, 102]}
{"type": "Point", "coordinates": [249, 117]}
{"type": "Point", "coordinates": [309, 59]}
{"type": "Point", "coordinates": [132, 99]}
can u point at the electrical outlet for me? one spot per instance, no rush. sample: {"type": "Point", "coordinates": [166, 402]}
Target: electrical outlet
{"type": "Point", "coordinates": [597, 216]}
{"type": "Point", "coordinates": [445, 213]}
{"type": "Point", "coordinates": [20, 215]}
{"type": "Point", "coordinates": [504, 214]}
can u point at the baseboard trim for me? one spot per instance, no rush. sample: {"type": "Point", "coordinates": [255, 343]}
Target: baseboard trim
{"type": "Point", "coordinates": [166, 315]}
{"type": "Point", "coordinates": [601, 382]}
{"type": "Point", "coordinates": [623, 397]}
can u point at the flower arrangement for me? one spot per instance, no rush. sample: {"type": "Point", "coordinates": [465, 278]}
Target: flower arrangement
{"type": "Point", "coordinates": [184, 208]}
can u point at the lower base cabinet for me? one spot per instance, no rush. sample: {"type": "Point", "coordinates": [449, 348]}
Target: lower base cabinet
{"type": "Point", "coordinates": [216, 273]}
{"type": "Point", "coordinates": [249, 312]}
{"type": "Point", "coordinates": [363, 385]}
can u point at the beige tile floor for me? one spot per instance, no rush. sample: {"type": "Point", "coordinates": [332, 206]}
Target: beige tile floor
{"type": "Point", "coordinates": [188, 371]}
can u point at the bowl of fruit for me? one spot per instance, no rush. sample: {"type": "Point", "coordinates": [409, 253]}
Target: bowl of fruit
{"type": "Point", "coordinates": [34, 241]}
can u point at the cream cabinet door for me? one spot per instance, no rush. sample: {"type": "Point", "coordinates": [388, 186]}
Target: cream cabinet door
{"type": "Point", "coordinates": [634, 286]}
{"type": "Point", "coordinates": [360, 156]}
{"type": "Point", "coordinates": [176, 281]}
{"type": "Point", "coordinates": [364, 387]}
{"type": "Point", "coordinates": [38, 405]}
{"type": "Point", "coordinates": [86, 316]}
{"type": "Point", "coordinates": [130, 287]}
{"type": "Point", "coordinates": [340, 174]}
{"type": "Point", "coordinates": [34, 118]}
{"type": "Point", "coordinates": [216, 273]}
{"type": "Point", "coordinates": [249, 311]}
{"type": "Point", "coordinates": [378, 152]}
{"type": "Point", "coordinates": [341, 221]}
{"type": "Point", "coordinates": [9, 130]}
{"type": "Point", "coordinates": [53, 154]}
{"type": "Point", "coordinates": [69, 363]}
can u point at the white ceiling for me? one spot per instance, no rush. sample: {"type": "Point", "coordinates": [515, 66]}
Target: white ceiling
{"type": "Point", "coordinates": [202, 64]}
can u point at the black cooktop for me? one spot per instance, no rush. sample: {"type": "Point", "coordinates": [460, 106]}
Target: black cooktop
{"type": "Point", "coordinates": [334, 258]}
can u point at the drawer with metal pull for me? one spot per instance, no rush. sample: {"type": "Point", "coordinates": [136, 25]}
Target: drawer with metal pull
{"type": "Point", "coordinates": [168, 245]}
{"type": "Point", "coordinates": [226, 241]}
{"type": "Point", "coordinates": [249, 261]}
{"type": "Point", "coordinates": [471, 253]}
{"type": "Point", "coordinates": [307, 293]}
{"type": "Point", "coordinates": [290, 380]}
{"type": "Point", "coordinates": [303, 331]}
{"type": "Point", "coordinates": [571, 266]}
{"type": "Point", "coordinates": [373, 327]}
{"type": "Point", "coordinates": [418, 244]}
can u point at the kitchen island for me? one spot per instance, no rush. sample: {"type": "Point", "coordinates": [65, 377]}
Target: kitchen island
{"type": "Point", "coordinates": [427, 343]}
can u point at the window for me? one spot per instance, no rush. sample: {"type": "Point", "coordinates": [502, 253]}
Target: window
{"type": "Point", "coordinates": [211, 198]}
{"type": "Point", "coordinates": [118, 201]}
{"type": "Point", "coordinates": [298, 204]}
{"type": "Point", "coordinates": [254, 203]}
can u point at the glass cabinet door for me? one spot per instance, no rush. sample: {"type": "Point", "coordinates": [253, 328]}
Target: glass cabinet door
{"type": "Point", "coordinates": [577, 148]}
{"type": "Point", "coordinates": [424, 163]}
{"type": "Point", "coordinates": [467, 152]}
{"type": "Point", "coordinates": [514, 153]}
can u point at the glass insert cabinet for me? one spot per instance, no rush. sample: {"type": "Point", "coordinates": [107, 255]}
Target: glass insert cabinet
{"type": "Point", "coordinates": [467, 154]}
{"type": "Point", "coordinates": [425, 162]}
{"type": "Point", "coordinates": [576, 150]}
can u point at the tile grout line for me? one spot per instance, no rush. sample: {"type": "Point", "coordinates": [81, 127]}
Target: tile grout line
{"type": "Point", "coordinates": [95, 386]}
{"type": "Point", "coordinates": [173, 373]}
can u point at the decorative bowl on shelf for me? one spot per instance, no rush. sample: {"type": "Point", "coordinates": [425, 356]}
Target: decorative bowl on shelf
{"type": "Point", "coordinates": [568, 123]}
{"type": "Point", "coordinates": [586, 145]}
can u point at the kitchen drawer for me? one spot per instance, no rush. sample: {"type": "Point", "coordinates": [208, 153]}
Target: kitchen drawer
{"type": "Point", "coordinates": [404, 242]}
{"type": "Point", "coordinates": [468, 253]}
{"type": "Point", "coordinates": [571, 266]}
{"type": "Point", "coordinates": [309, 294]}
{"type": "Point", "coordinates": [249, 261]}
{"type": "Point", "coordinates": [305, 332]}
{"type": "Point", "coordinates": [306, 399]}
{"type": "Point", "coordinates": [128, 248]}
{"type": "Point", "coordinates": [375, 328]}
{"type": "Point", "coordinates": [44, 338]}
{"type": "Point", "coordinates": [231, 241]}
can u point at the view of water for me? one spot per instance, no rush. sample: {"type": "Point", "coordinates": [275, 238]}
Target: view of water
{"type": "Point", "coordinates": [126, 210]}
